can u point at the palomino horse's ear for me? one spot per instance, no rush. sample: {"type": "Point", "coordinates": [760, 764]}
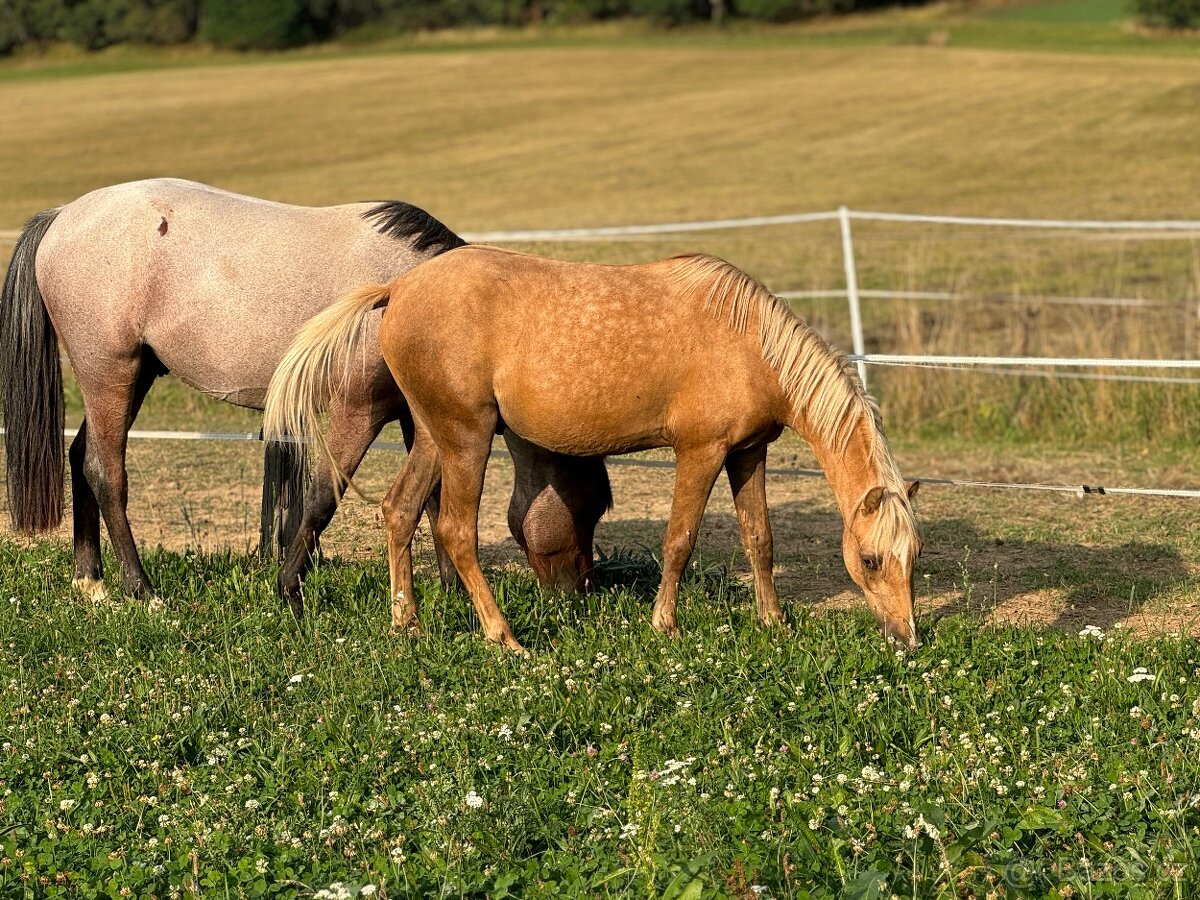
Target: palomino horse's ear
{"type": "Point", "coordinates": [912, 490]}
{"type": "Point", "coordinates": [870, 504]}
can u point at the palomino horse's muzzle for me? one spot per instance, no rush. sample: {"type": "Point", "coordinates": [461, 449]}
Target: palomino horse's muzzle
{"type": "Point", "coordinates": [903, 632]}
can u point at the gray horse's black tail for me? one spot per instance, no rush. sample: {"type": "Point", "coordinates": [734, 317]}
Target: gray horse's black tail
{"type": "Point", "coordinates": [31, 374]}
{"type": "Point", "coordinates": [285, 479]}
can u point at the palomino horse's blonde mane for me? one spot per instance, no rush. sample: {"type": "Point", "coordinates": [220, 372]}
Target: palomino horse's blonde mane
{"type": "Point", "coordinates": [818, 381]}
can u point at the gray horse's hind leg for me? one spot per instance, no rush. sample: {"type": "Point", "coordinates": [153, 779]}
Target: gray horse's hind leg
{"type": "Point", "coordinates": [85, 519]}
{"type": "Point", "coordinates": [349, 438]}
{"type": "Point", "coordinates": [111, 406]}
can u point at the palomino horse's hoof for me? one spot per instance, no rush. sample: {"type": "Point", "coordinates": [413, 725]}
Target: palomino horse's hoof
{"type": "Point", "coordinates": [407, 623]}
{"type": "Point", "coordinates": [667, 628]}
{"type": "Point", "coordinates": [412, 628]}
{"type": "Point", "coordinates": [91, 588]}
{"type": "Point", "coordinates": [508, 642]}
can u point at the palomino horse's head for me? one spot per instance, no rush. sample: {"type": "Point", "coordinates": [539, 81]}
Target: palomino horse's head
{"type": "Point", "coordinates": [880, 545]}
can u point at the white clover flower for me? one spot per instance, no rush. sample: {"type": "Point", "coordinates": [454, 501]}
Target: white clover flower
{"type": "Point", "coordinates": [914, 830]}
{"type": "Point", "coordinates": [1140, 674]}
{"type": "Point", "coordinates": [473, 800]}
{"type": "Point", "coordinates": [1092, 631]}
{"type": "Point", "coordinates": [67, 805]}
{"type": "Point", "coordinates": [505, 731]}
{"type": "Point", "coordinates": [628, 830]}
{"type": "Point", "coordinates": [296, 679]}
{"type": "Point", "coordinates": [367, 890]}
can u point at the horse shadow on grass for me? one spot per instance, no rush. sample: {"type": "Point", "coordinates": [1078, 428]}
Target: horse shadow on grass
{"type": "Point", "coordinates": [964, 568]}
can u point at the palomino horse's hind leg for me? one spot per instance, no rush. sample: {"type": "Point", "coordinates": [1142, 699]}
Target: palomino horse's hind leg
{"type": "Point", "coordinates": [446, 570]}
{"type": "Point", "coordinates": [464, 464]}
{"type": "Point", "coordinates": [748, 481]}
{"type": "Point", "coordinates": [85, 521]}
{"type": "Point", "coordinates": [111, 407]}
{"type": "Point", "coordinates": [696, 471]}
{"type": "Point", "coordinates": [402, 509]}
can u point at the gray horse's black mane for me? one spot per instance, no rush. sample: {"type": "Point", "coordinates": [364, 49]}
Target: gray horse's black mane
{"type": "Point", "coordinates": [403, 221]}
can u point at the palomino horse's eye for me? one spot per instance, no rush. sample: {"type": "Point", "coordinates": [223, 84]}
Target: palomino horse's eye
{"type": "Point", "coordinates": [871, 563]}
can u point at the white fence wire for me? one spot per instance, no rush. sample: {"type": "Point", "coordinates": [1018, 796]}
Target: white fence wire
{"type": "Point", "coordinates": [1079, 490]}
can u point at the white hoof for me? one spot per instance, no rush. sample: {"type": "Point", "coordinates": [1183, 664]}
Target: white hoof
{"type": "Point", "coordinates": [91, 588]}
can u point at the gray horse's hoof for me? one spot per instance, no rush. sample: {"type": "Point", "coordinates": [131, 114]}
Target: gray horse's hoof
{"type": "Point", "coordinates": [93, 589]}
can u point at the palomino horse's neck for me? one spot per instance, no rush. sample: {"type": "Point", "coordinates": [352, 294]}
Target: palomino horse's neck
{"type": "Point", "coordinates": [854, 469]}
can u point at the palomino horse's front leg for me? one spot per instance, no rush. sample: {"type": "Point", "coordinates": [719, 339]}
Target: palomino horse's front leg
{"type": "Point", "coordinates": [748, 480]}
{"type": "Point", "coordinates": [402, 508]}
{"type": "Point", "coordinates": [696, 470]}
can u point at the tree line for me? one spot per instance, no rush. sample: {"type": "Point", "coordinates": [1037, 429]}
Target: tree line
{"type": "Point", "coordinates": [273, 24]}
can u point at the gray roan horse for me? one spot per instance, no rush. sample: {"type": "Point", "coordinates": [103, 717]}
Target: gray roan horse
{"type": "Point", "coordinates": [165, 275]}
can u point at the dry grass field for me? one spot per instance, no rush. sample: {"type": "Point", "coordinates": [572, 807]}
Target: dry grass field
{"type": "Point", "coordinates": [610, 131]}
{"type": "Point", "coordinates": [546, 137]}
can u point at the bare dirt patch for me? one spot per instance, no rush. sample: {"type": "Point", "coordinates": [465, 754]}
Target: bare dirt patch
{"type": "Point", "coordinates": [1053, 560]}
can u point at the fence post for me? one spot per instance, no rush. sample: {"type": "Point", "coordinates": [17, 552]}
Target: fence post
{"type": "Point", "coordinates": [856, 329]}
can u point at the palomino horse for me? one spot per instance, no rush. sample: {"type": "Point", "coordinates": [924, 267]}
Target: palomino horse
{"type": "Point", "coordinates": [589, 360]}
{"type": "Point", "coordinates": [160, 276]}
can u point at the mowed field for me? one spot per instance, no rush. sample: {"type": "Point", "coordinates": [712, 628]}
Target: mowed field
{"type": "Point", "coordinates": [215, 748]}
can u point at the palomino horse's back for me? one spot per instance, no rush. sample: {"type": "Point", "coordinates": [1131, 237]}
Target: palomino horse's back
{"type": "Point", "coordinates": [574, 350]}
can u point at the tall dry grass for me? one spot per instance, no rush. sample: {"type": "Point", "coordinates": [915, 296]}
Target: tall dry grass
{"type": "Point", "coordinates": [1019, 298]}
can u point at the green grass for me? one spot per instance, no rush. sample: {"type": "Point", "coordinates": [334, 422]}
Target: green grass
{"type": "Point", "coordinates": [216, 748]}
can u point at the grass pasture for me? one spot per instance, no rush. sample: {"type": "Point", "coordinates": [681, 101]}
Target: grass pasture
{"type": "Point", "coordinates": [214, 748]}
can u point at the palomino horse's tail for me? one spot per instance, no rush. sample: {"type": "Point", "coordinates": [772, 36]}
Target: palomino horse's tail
{"type": "Point", "coordinates": [304, 379]}
{"type": "Point", "coordinates": [31, 373]}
